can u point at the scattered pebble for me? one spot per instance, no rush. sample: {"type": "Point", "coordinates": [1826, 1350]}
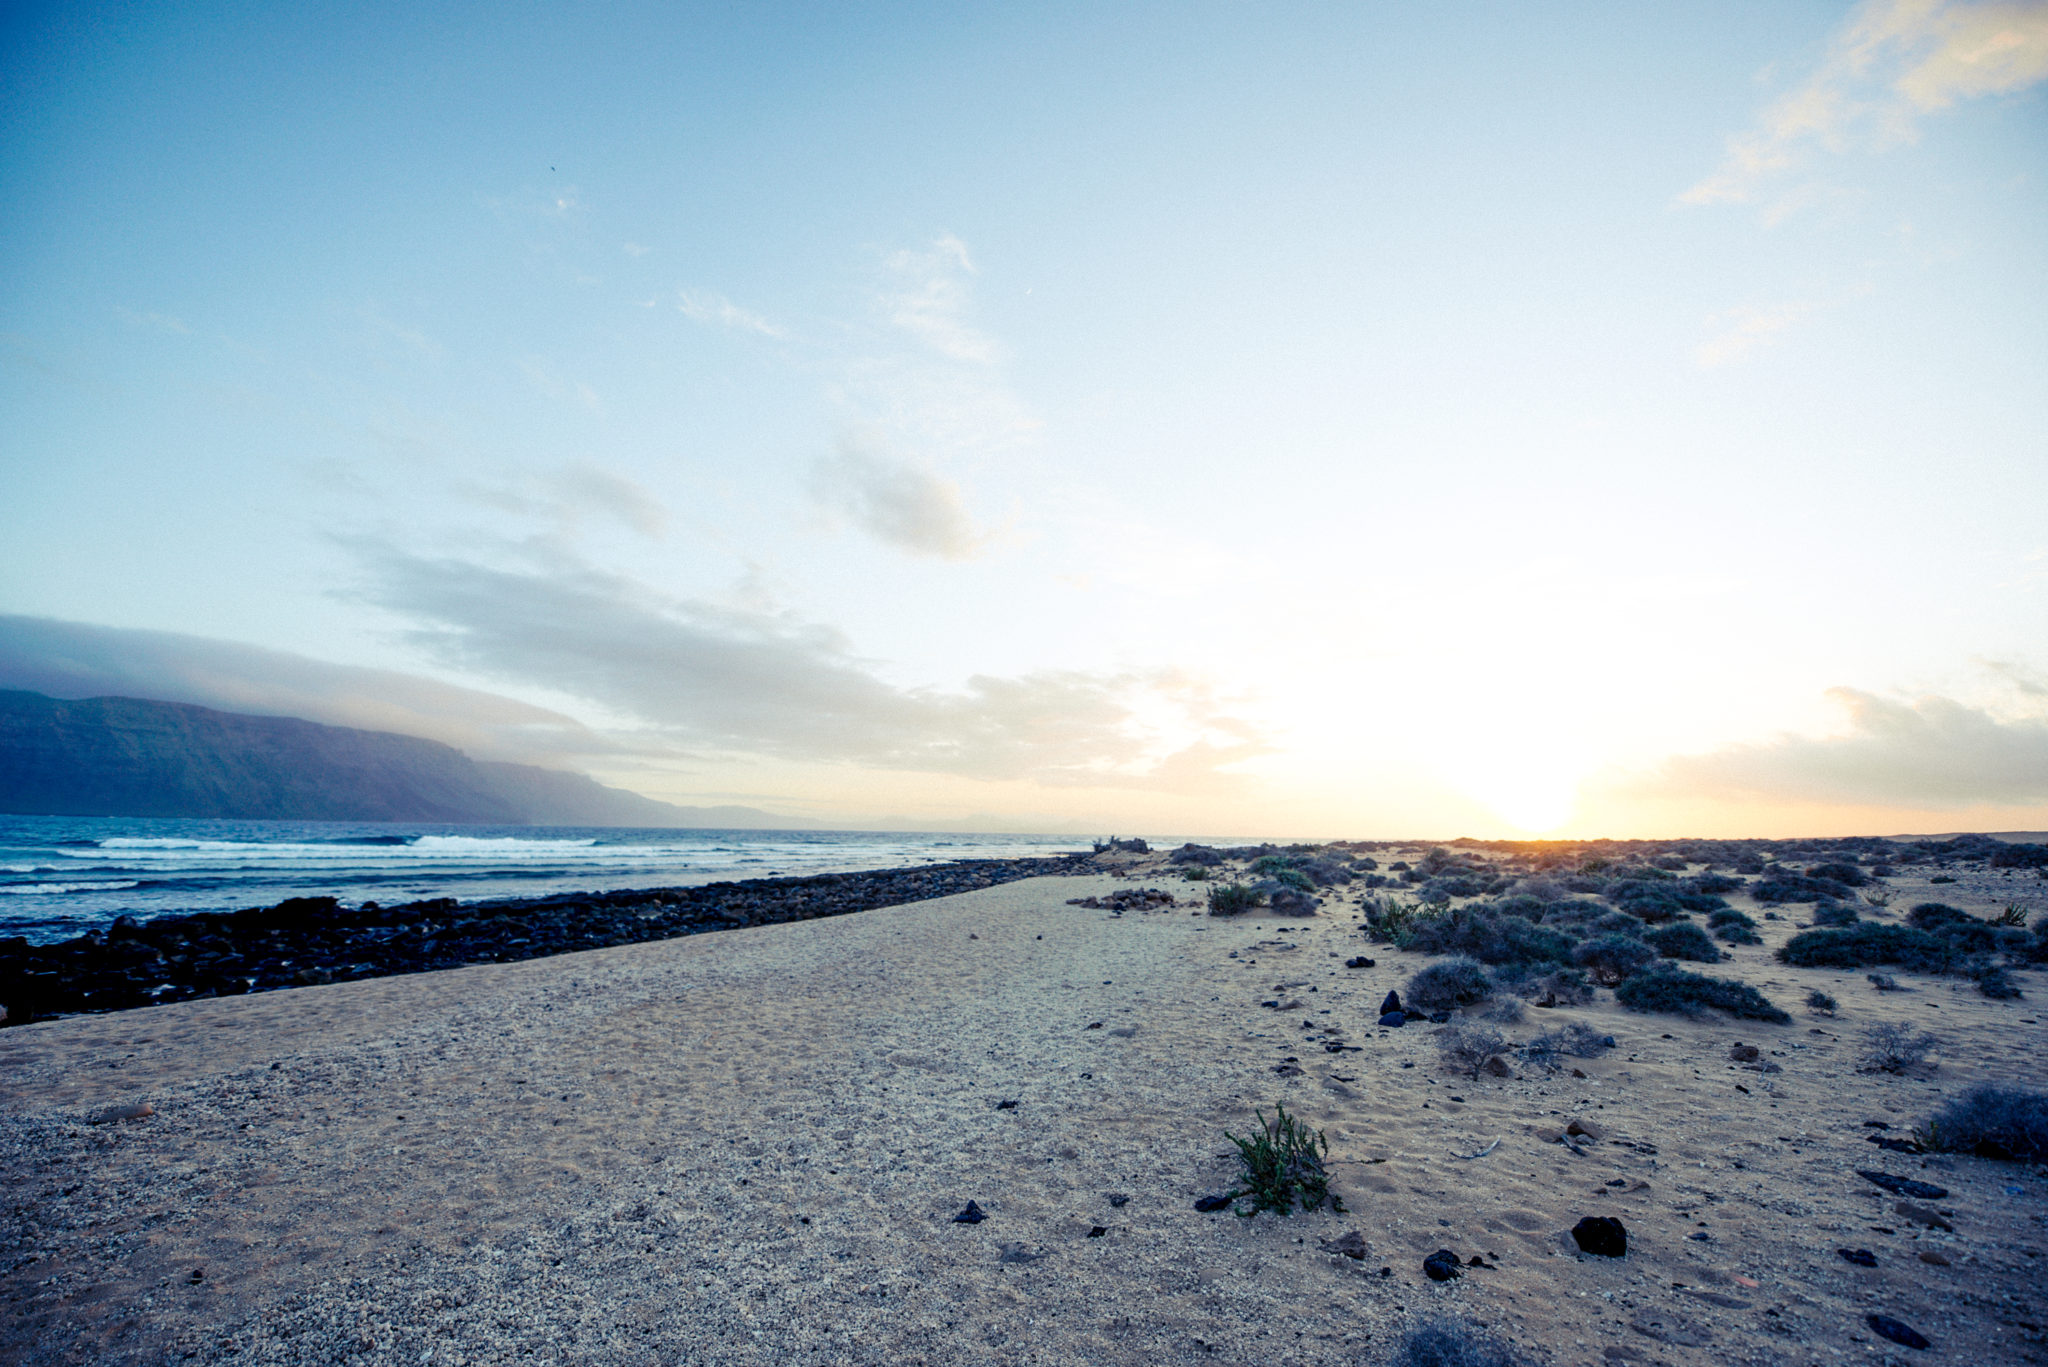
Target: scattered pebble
{"type": "Point", "coordinates": [1884, 1326]}
{"type": "Point", "coordinates": [1440, 1266]}
{"type": "Point", "coordinates": [972, 1215]}
{"type": "Point", "coordinates": [1602, 1235]}
{"type": "Point", "coordinates": [1862, 1257]}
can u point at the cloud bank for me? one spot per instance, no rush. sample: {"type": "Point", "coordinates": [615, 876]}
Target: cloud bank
{"type": "Point", "coordinates": [1930, 753]}
{"type": "Point", "coordinates": [74, 660]}
{"type": "Point", "coordinates": [747, 681]}
{"type": "Point", "coordinates": [1892, 64]}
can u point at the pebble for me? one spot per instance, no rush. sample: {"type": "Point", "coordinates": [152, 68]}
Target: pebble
{"type": "Point", "coordinates": [1903, 1186]}
{"type": "Point", "coordinates": [114, 1114]}
{"type": "Point", "coordinates": [1884, 1326]}
{"type": "Point", "coordinates": [1862, 1257]}
{"type": "Point", "coordinates": [1440, 1266]}
{"type": "Point", "coordinates": [1391, 1005]}
{"type": "Point", "coordinates": [1921, 1215]}
{"type": "Point", "coordinates": [1394, 1020]}
{"type": "Point", "coordinates": [1349, 1245]}
{"type": "Point", "coordinates": [1602, 1235]}
{"type": "Point", "coordinates": [1211, 1203]}
{"type": "Point", "coordinates": [1933, 1257]}
{"type": "Point", "coordinates": [972, 1215]}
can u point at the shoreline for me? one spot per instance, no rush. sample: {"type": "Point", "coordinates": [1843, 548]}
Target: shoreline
{"type": "Point", "coordinates": [316, 942]}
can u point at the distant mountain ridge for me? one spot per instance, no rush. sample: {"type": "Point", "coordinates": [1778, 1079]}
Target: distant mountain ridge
{"type": "Point", "coordinates": [138, 757]}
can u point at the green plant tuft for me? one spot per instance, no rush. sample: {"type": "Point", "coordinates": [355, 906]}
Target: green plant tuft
{"type": "Point", "coordinates": [1283, 1163]}
{"type": "Point", "coordinates": [1232, 898]}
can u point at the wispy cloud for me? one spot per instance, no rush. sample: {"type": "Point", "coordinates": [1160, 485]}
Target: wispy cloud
{"type": "Point", "coordinates": [572, 495]}
{"type": "Point", "coordinates": [1932, 752]}
{"type": "Point", "coordinates": [546, 380]}
{"type": "Point", "coordinates": [1893, 63]}
{"type": "Point", "coordinates": [77, 660]}
{"type": "Point", "coordinates": [896, 501]}
{"type": "Point", "coordinates": [767, 683]}
{"type": "Point", "coordinates": [1740, 331]}
{"type": "Point", "coordinates": [155, 322]}
{"type": "Point", "coordinates": [930, 298]}
{"type": "Point", "coordinates": [721, 311]}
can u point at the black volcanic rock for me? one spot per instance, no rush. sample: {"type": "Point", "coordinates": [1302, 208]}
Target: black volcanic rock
{"type": "Point", "coordinates": [135, 757]}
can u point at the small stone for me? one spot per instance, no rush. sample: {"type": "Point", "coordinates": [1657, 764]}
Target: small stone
{"type": "Point", "coordinates": [1496, 1066]}
{"type": "Point", "coordinates": [1440, 1266]}
{"type": "Point", "coordinates": [1934, 1256]}
{"type": "Point", "coordinates": [1214, 1203]}
{"type": "Point", "coordinates": [1578, 1072]}
{"type": "Point", "coordinates": [198, 1275]}
{"type": "Point", "coordinates": [1018, 1253]}
{"type": "Point", "coordinates": [1361, 962]}
{"type": "Point", "coordinates": [1350, 1245]}
{"type": "Point", "coordinates": [1394, 1020]}
{"type": "Point", "coordinates": [1097, 1231]}
{"type": "Point", "coordinates": [1884, 1326]}
{"type": "Point", "coordinates": [1745, 1053]}
{"type": "Point", "coordinates": [1602, 1235]}
{"type": "Point", "coordinates": [1119, 1200]}
{"type": "Point", "coordinates": [1092, 1025]}
{"type": "Point", "coordinates": [1862, 1257]}
{"type": "Point", "coordinates": [115, 1114]}
{"type": "Point", "coordinates": [1006, 1105]}
{"type": "Point", "coordinates": [1903, 1186]}
{"type": "Point", "coordinates": [973, 1215]}
{"type": "Point", "coordinates": [1547, 1134]}
{"type": "Point", "coordinates": [1287, 1069]}
{"type": "Point", "coordinates": [1921, 1215]}
{"type": "Point", "coordinates": [1587, 1129]}
{"type": "Point", "coordinates": [1391, 1004]}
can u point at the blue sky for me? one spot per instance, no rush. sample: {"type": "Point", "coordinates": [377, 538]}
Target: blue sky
{"type": "Point", "coordinates": [1315, 419]}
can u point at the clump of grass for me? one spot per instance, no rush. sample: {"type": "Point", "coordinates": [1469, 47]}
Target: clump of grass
{"type": "Point", "coordinates": [1684, 940]}
{"type": "Point", "coordinates": [1991, 1122]}
{"type": "Point", "coordinates": [1194, 873]}
{"type": "Point", "coordinates": [1388, 919]}
{"type": "Point", "coordinates": [1820, 1003]}
{"type": "Point", "coordinates": [1894, 1048]}
{"type": "Point", "coordinates": [1468, 1047]}
{"type": "Point", "coordinates": [2014, 917]}
{"type": "Point", "coordinates": [1883, 982]}
{"type": "Point", "coordinates": [1284, 1162]}
{"type": "Point", "coordinates": [1442, 986]}
{"type": "Point", "coordinates": [1447, 1343]}
{"type": "Point", "coordinates": [1997, 984]}
{"type": "Point", "coordinates": [1232, 898]}
{"type": "Point", "coordinates": [1674, 991]}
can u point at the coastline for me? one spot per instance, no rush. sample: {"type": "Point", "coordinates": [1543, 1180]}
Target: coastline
{"type": "Point", "coordinates": [315, 941]}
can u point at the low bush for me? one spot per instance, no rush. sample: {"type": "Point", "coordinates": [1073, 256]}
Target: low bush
{"type": "Point", "coordinates": [1684, 941]}
{"type": "Point", "coordinates": [1483, 933]}
{"type": "Point", "coordinates": [1232, 898]}
{"type": "Point", "coordinates": [1820, 1002]}
{"type": "Point", "coordinates": [1201, 855]}
{"type": "Point", "coordinates": [1444, 986]}
{"type": "Point", "coordinates": [1447, 1343]}
{"type": "Point", "coordinates": [1834, 914]}
{"type": "Point", "coordinates": [1894, 1048]}
{"type": "Point", "coordinates": [1716, 883]}
{"type": "Point", "coordinates": [1284, 1162]}
{"type": "Point", "coordinates": [1991, 1122]}
{"type": "Point", "coordinates": [1791, 887]}
{"type": "Point", "coordinates": [1848, 875]}
{"type": "Point", "coordinates": [1997, 984]}
{"type": "Point", "coordinates": [1560, 987]}
{"type": "Point", "coordinates": [1617, 923]}
{"type": "Point", "coordinates": [1612, 958]}
{"type": "Point", "coordinates": [1676, 992]}
{"type": "Point", "coordinates": [1468, 1047]}
{"type": "Point", "coordinates": [1576, 1040]}
{"type": "Point", "coordinates": [1733, 927]}
{"type": "Point", "coordinates": [1936, 939]}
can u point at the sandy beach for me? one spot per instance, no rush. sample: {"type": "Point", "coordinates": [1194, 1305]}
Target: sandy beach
{"type": "Point", "coordinates": [749, 1147]}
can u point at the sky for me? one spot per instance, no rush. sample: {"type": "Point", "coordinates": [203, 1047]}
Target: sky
{"type": "Point", "coordinates": [1290, 420]}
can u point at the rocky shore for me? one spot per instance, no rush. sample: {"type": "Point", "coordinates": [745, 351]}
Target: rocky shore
{"type": "Point", "coordinates": [310, 941]}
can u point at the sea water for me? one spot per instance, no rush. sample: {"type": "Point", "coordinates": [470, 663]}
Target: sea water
{"type": "Point", "coordinates": [62, 876]}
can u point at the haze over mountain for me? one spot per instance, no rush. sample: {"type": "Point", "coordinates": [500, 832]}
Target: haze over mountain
{"type": "Point", "coordinates": [137, 757]}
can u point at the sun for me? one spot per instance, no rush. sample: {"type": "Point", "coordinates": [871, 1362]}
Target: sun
{"type": "Point", "coordinates": [1535, 795]}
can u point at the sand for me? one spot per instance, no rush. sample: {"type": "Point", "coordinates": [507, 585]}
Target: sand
{"type": "Point", "coordinates": [747, 1147]}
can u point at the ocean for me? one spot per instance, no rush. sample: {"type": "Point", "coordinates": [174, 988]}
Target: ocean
{"type": "Point", "coordinates": [62, 876]}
